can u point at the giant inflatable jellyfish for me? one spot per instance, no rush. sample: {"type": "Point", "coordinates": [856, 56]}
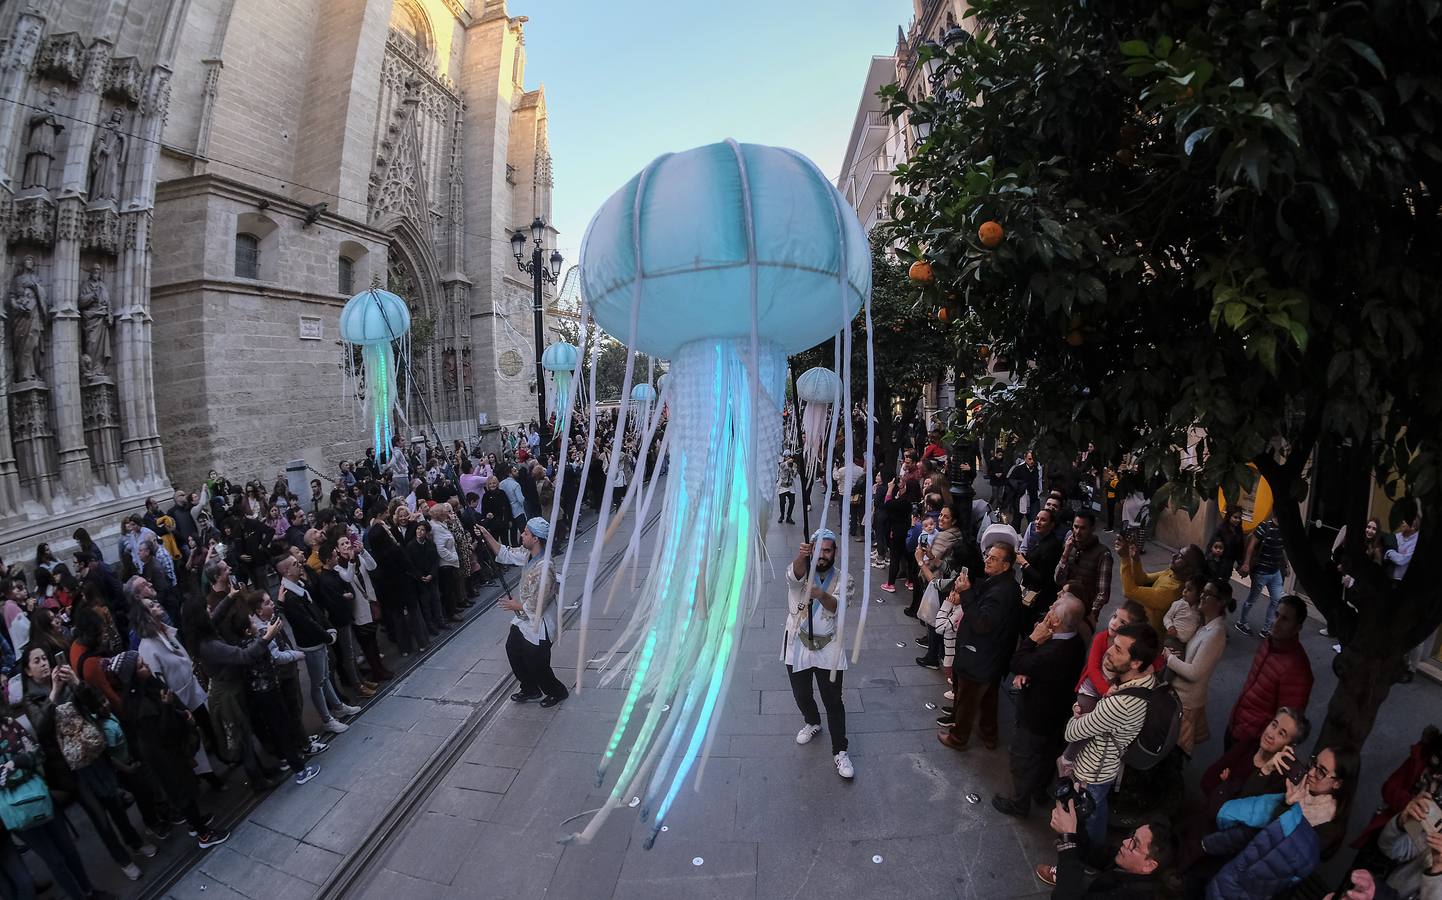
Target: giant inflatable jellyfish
{"type": "Point", "coordinates": [376, 321]}
{"type": "Point", "coordinates": [723, 260]}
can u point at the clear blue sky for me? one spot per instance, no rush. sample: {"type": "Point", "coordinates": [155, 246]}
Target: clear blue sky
{"type": "Point", "coordinates": [628, 80]}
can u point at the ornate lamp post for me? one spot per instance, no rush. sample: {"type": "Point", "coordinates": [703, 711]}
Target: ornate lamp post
{"type": "Point", "coordinates": [541, 274]}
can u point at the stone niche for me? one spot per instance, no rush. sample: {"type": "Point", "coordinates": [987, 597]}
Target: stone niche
{"type": "Point", "coordinates": [62, 57]}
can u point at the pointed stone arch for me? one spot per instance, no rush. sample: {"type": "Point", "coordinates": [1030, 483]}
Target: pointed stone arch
{"type": "Point", "coordinates": [412, 273]}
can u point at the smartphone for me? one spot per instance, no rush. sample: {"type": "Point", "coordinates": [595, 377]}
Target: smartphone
{"type": "Point", "coordinates": [1298, 771]}
{"type": "Point", "coordinates": [58, 660]}
{"type": "Point", "coordinates": [966, 573]}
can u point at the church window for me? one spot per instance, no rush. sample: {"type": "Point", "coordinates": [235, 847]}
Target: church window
{"type": "Point", "coordinates": [247, 255]}
{"type": "Point", "coordinates": [410, 25]}
{"type": "Point", "coordinates": [345, 276]}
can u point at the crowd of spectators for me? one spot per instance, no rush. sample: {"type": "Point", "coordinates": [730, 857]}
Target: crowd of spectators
{"type": "Point", "coordinates": [1112, 696]}
{"type": "Point", "coordinates": [136, 681]}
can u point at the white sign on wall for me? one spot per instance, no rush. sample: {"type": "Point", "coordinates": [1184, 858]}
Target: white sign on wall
{"type": "Point", "coordinates": [310, 328]}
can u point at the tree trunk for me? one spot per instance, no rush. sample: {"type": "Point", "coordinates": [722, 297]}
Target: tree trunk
{"type": "Point", "coordinates": [1363, 683]}
{"type": "Point", "coordinates": [1388, 620]}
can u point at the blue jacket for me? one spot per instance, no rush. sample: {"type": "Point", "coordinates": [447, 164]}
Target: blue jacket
{"type": "Point", "coordinates": [1283, 852]}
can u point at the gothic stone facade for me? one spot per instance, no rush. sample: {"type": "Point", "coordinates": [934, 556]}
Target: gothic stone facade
{"type": "Point", "coordinates": [315, 147]}
{"type": "Point", "coordinates": [87, 86]}
{"type": "Point", "coordinates": [190, 189]}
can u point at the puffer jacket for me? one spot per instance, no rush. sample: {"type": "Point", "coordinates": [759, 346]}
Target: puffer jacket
{"type": "Point", "coordinates": [1281, 675]}
{"type": "Point", "coordinates": [1283, 852]}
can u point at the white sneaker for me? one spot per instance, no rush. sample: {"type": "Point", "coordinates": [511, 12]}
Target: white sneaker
{"type": "Point", "coordinates": [843, 765]}
{"type": "Point", "coordinates": [316, 747]}
{"type": "Point", "coordinates": [806, 733]}
{"type": "Point", "coordinates": [306, 774]}
{"type": "Point", "coordinates": [950, 695]}
{"type": "Point", "coordinates": [345, 710]}
{"type": "Point", "coordinates": [132, 871]}
{"type": "Point", "coordinates": [146, 850]}
{"type": "Point", "coordinates": [335, 726]}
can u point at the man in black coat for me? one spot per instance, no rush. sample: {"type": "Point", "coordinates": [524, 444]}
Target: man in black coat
{"type": "Point", "coordinates": [1047, 666]}
{"type": "Point", "coordinates": [985, 639]}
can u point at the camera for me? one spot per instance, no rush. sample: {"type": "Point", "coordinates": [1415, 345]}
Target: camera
{"type": "Point", "coordinates": [1066, 791]}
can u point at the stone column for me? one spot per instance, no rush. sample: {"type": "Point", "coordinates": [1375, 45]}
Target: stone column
{"type": "Point", "coordinates": [15, 66]}
{"type": "Point", "coordinates": [9, 473]}
{"type": "Point", "coordinates": [139, 436]}
{"type": "Point", "coordinates": [64, 359]}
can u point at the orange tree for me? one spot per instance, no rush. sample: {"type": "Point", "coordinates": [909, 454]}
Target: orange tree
{"type": "Point", "coordinates": [910, 345]}
{"type": "Point", "coordinates": [1221, 219]}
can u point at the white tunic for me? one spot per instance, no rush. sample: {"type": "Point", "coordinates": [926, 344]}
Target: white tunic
{"type": "Point", "coordinates": [795, 653]}
{"type": "Point", "coordinates": [534, 628]}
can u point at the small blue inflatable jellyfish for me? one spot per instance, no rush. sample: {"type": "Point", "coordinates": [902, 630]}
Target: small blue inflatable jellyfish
{"type": "Point", "coordinates": [379, 323]}
{"type": "Point", "coordinates": [819, 389]}
{"type": "Point", "coordinates": [723, 260]}
{"type": "Point", "coordinates": [560, 359]}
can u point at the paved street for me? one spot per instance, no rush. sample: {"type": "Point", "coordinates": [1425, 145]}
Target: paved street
{"type": "Point", "coordinates": [770, 820]}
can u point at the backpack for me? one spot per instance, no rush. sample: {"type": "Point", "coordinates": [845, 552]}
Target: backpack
{"type": "Point", "coordinates": [1160, 728]}
{"type": "Point", "coordinates": [81, 740]}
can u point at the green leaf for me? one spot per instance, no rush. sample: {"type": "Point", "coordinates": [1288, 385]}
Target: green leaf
{"type": "Point", "coordinates": [1163, 48]}
{"type": "Point", "coordinates": [1328, 204]}
{"type": "Point", "coordinates": [1135, 48]}
{"type": "Point", "coordinates": [1234, 314]}
{"type": "Point", "coordinates": [1195, 138]}
{"type": "Point", "coordinates": [1299, 334]}
{"type": "Point", "coordinates": [1366, 53]}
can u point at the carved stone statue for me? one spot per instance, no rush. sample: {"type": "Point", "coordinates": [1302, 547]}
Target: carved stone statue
{"type": "Point", "coordinates": [44, 128]}
{"type": "Point", "coordinates": [28, 311]}
{"type": "Point", "coordinates": [95, 323]}
{"type": "Point", "coordinates": [107, 159]}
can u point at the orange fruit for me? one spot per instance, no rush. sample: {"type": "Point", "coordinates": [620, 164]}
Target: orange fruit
{"type": "Point", "coordinates": [983, 351]}
{"type": "Point", "coordinates": [943, 313]}
{"type": "Point", "coordinates": [1124, 156]}
{"type": "Point", "coordinates": [990, 234]}
{"type": "Point", "coordinates": [1075, 338]}
{"type": "Point", "coordinates": [920, 272]}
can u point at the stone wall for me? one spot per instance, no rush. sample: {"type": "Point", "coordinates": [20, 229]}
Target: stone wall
{"type": "Point", "coordinates": [240, 390]}
{"type": "Point", "coordinates": [89, 88]}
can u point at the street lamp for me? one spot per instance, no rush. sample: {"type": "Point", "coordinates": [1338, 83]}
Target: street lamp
{"type": "Point", "coordinates": [954, 37]}
{"type": "Point", "coordinates": [541, 274]}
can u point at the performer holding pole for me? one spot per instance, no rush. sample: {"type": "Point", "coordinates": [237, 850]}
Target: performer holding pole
{"type": "Point", "coordinates": [534, 627]}
{"type": "Point", "coordinates": [810, 649]}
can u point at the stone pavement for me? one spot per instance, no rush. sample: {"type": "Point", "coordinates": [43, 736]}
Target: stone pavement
{"type": "Point", "coordinates": [771, 819]}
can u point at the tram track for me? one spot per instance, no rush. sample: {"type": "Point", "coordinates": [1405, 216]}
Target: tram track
{"type": "Point", "coordinates": [160, 881]}
{"type": "Point", "coordinates": [353, 869]}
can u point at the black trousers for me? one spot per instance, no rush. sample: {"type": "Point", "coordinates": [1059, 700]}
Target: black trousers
{"type": "Point", "coordinates": [787, 499]}
{"type": "Point", "coordinates": [1033, 764]}
{"type": "Point", "coordinates": [531, 664]}
{"type": "Point", "coordinates": [830, 698]}
{"type": "Point", "coordinates": [274, 727]}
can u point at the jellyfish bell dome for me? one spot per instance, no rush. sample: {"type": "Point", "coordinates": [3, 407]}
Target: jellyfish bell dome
{"type": "Point", "coordinates": [819, 385]}
{"type": "Point", "coordinates": [560, 357]}
{"type": "Point", "coordinates": [374, 316]}
{"type": "Point", "coordinates": [643, 393]}
{"type": "Point", "coordinates": [685, 238]}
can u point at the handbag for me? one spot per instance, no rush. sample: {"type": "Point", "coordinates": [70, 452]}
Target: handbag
{"type": "Point", "coordinates": [930, 603]}
{"type": "Point", "coordinates": [81, 741]}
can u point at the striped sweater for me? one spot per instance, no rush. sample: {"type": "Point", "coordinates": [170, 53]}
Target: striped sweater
{"type": "Point", "coordinates": [1108, 731]}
